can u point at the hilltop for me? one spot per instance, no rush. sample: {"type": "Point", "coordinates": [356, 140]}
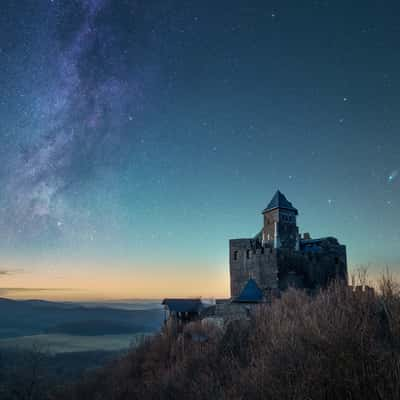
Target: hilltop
{"type": "Point", "coordinates": [339, 344]}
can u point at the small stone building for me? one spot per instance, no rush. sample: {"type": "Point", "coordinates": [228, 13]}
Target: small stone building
{"type": "Point", "coordinates": [278, 257]}
{"type": "Point", "coordinates": [185, 310]}
{"type": "Point", "coordinates": [179, 312]}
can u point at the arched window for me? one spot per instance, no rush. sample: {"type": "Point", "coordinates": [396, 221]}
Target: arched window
{"type": "Point", "coordinates": [235, 255]}
{"type": "Point", "coordinates": [247, 254]}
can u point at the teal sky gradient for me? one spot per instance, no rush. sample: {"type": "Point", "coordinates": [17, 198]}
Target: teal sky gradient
{"type": "Point", "coordinates": [139, 138]}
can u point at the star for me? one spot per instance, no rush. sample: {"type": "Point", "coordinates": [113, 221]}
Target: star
{"type": "Point", "coordinates": [392, 176]}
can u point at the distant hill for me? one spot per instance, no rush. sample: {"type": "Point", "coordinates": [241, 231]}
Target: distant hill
{"type": "Point", "coordinates": [96, 327]}
{"type": "Point", "coordinates": [31, 317]}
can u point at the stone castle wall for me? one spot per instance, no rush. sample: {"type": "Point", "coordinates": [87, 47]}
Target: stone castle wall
{"type": "Point", "coordinates": [311, 270]}
{"type": "Point", "coordinates": [230, 311]}
{"type": "Point", "coordinates": [248, 259]}
{"type": "Point", "coordinates": [311, 267]}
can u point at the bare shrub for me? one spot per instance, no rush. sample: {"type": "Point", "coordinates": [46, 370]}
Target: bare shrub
{"type": "Point", "coordinates": [339, 344]}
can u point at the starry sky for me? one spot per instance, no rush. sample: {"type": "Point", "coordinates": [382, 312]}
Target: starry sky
{"type": "Point", "coordinates": [138, 136]}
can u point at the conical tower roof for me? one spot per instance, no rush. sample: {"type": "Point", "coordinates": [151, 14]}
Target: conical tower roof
{"type": "Point", "coordinates": [280, 201]}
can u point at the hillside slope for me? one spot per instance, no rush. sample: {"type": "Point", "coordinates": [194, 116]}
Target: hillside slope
{"type": "Point", "coordinates": [337, 345]}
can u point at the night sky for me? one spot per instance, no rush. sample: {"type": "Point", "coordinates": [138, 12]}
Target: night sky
{"type": "Point", "coordinates": [138, 136]}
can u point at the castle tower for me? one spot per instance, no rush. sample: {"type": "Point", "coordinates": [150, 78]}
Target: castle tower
{"type": "Point", "coordinates": [280, 226]}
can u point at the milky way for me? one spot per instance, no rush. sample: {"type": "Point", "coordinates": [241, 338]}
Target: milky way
{"type": "Point", "coordinates": [82, 114]}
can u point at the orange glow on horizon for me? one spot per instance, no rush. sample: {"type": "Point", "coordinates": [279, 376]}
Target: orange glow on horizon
{"type": "Point", "coordinates": [100, 282]}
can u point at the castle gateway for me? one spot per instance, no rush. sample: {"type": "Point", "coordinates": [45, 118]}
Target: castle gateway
{"type": "Point", "coordinates": [278, 257]}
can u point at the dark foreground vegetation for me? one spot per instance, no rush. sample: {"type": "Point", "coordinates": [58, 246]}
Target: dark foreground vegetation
{"type": "Point", "coordinates": [35, 374]}
{"type": "Point", "coordinates": [339, 344]}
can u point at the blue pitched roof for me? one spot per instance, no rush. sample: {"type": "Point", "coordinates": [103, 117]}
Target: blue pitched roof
{"type": "Point", "coordinates": [251, 293]}
{"type": "Point", "coordinates": [280, 201]}
{"type": "Point", "coordinates": [183, 305]}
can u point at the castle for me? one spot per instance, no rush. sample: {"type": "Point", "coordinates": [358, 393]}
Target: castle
{"type": "Point", "coordinates": [278, 257]}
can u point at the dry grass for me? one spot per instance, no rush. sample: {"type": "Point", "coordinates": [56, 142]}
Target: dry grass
{"type": "Point", "coordinates": [338, 344]}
